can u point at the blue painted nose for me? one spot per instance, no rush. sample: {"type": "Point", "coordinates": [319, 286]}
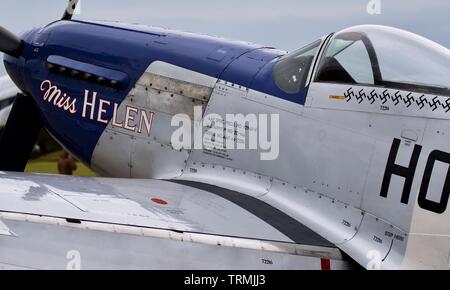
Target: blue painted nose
{"type": "Point", "coordinates": [15, 69]}
{"type": "Point", "coordinates": [16, 58]}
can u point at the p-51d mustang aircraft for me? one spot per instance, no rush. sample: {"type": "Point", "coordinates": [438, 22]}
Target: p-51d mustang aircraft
{"type": "Point", "coordinates": [361, 175]}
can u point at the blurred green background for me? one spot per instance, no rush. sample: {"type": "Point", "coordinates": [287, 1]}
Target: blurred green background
{"type": "Point", "coordinates": [45, 156]}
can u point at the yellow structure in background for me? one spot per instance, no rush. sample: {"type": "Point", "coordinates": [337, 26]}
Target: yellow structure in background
{"type": "Point", "coordinates": [48, 164]}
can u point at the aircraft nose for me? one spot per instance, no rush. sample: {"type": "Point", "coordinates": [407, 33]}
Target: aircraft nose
{"type": "Point", "coordinates": [23, 56]}
{"type": "Point", "coordinates": [12, 46]}
{"type": "Point", "coordinates": [15, 69]}
{"type": "Point", "coordinates": [24, 115]}
{"type": "Point", "coordinates": [17, 51]}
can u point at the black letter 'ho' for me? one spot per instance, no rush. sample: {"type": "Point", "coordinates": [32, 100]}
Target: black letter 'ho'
{"type": "Point", "coordinates": [406, 172]}
{"type": "Point", "coordinates": [441, 206]}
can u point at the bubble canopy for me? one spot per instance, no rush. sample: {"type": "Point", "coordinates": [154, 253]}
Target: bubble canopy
{"type": "Point", "coordinates": [387, 57]}
{"type": "Point", "coordinates": [370, 55]}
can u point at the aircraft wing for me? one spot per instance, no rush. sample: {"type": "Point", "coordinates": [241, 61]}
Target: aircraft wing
{"type": "Point", "coordinates": [147, 224]}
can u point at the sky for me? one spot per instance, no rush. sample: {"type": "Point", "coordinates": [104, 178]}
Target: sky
{"type": "Point", "coordinates": [284, 24]}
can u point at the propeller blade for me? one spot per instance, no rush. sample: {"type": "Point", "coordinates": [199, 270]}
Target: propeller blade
{"type": "Point", "coordinates": [9, 43]}
{"type": "Point", "coordinates": [20, 134]}
{"type": "Point", "coordinates": [70, 10]}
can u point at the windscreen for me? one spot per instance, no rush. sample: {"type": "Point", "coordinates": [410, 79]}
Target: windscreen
{"type": "Point", "coordinates": [291, 71]}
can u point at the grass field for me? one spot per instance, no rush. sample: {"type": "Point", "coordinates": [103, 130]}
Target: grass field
{"type": "Point", "coordinates": [49, 164]}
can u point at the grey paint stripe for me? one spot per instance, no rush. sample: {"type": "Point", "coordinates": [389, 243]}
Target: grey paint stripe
{"type": "Point", "coordinates": [290, 227]}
